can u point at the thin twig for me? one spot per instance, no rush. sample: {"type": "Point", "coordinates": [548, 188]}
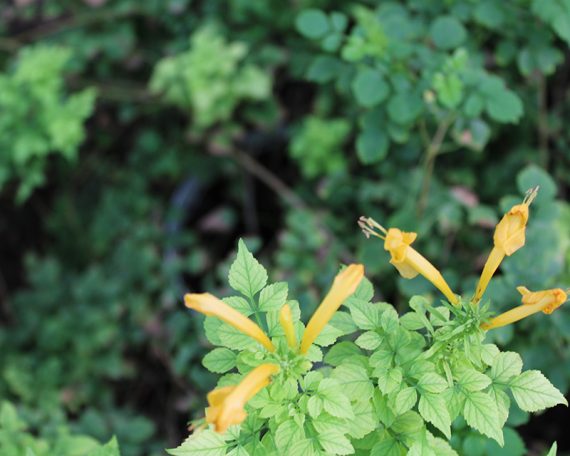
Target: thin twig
{"type": "Point", "coordinates": [543, 130]}
{"type": "Point", "coordinates": [431, 154]}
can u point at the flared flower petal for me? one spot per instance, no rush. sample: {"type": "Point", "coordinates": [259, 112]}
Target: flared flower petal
{"type": "Point", "coordinates": [286, 321]}
{"type": "Point", "coordinates": [510, 236]}
{"type": "Point", "coordinates": [213, 307]}
{"type": "Point", "coordinates": [344, 285]}
{"type": "Point", "coordinates": [409, 262]}
{"type": "Point", "coordinates": [227, 404]}
{"type": "Point", "coordinates": [546, 301]}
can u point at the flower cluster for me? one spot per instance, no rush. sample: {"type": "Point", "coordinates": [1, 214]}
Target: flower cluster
{"type": "Point", "coordinates": [509, 236]}
{"type": "Point", "coordinates": [226, 404]}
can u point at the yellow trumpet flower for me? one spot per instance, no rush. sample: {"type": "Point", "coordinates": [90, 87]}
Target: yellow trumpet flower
{"type": "Point", "coordinates": [546, 301]}
{"type": "Point", "coordinates": [408, 261]}
{"type": "Point", "coordinates": [213, 307]}
{"type": "Point", "coordinates": [286, 320]}
{"type": "Point", "coordinates": [226, 405]}
{"type": "Point", "coordinates": [508, 238]}
{"type": "Point", "coordinates": [344, 285]}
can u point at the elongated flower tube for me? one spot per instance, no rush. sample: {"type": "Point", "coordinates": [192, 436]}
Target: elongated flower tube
{"type": "Point", "coordinates": [408, 261]}
{"type": "Point", "coordinates": [213, 307]}
{"type": "Point", "coordinates": [286, 321]}
{"type": "Point", "coordinates": [546, 301]}
{"type": "Point", "coordinates": [510, 235]}
{"type": "Point", "coordinates": [344, 285]}
{"type": "Point", "coordinates": [226, 405]}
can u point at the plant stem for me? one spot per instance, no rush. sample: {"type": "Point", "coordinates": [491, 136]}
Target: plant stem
{"type": "Point", "coordinates": [432, 151]}
{"type": "Point", "coordinates": [543, 130]}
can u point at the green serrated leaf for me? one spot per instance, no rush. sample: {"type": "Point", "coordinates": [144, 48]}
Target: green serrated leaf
{"type": "Point", "coordinates": [480, 412]}
{"type": "Point", "coordinates": [433, 409]}
{"type": "Point", "coordinates": [364, 420]}
{"type": "Point", "coordinates": [365, 314]}
{"type": "Point", "coordinates": [219, 360]}
{"type": "Point", "coordinates": [273, 296]}
{"type": "Point", "coordinates": [505, 366]}
{"type": "Point", "coordinates": [405, 400]}
{"type": "Point", "coordinates": [473, 380]}
{"type": "Point", "coordinates": [334, 400]}
{"type": "Point", "coordinates": [354, 381]}
{"type": "Point", "coordinates": [388, 378]}
{"type": "Point", "coordinates": [370, 340]}
{"type": "Point", "coordinates": [203, 443]}
{"type": "Point", "coordinates": [246, 274]}
{"type": "Point", "coordinates": [432, 383]}
{"type": "Point", "coordinates": [334, 442]}
{"type": "Point", "coordinates": [533, 392]}
{"type": "Point", "coordinates": [287, 434]}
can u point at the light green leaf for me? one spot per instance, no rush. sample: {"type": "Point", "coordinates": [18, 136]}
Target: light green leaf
{"type": "Point", "coordinates": [473, 380]}
{"type": "Point", "coordinates": [488, 353]}
{"type": "Point", "coordinates": [407, 424]}
{"type": "Point", "coordinates": [287, 434]}
{"type": "Point", "coordinates": [273, 296]}
{"type": "Point", "coordinates": [240, 304]}
{"type": "Point", "coordinates": [432, 408]}
{"type": "Point", "coordinates": [238, 451]}
{"type": "Point", "coordinates": [246, 274]}
{"type": "Point", "coordinates": [534, 392]}
{"type": "Point", "coordinates": [387, 447]}
{"type": "Point", "coordinates": [334, 400]}
{"type": "Point", "coordinates": [328, 336]}
{"type": "Point", "coordinates": [203, 443]}
{"type": "Point", "coordinates": [315, 406]}
{"type": "Point", "coordinates": [405, 400]}
{"type": "Point", "coordinates": [219, 360]}
{"type": "Point", "coordinates": [389, 320]}
{"type": "Point", "coordinates": [505, 366]}
{"type": "Point", "coordinates": [480, 412]}
{"type": "Point", "coordinates": [354, 381]}
{"type": "Point", "coordinates": [412, 321]}
{"type": "Point", "coordinates": [553, 450]}
{"type": "Point", "coordinates": [334, 442]}
{"type": "Point", "coordinates": [369, 340]}
{"type": "Point", "coordinates": [341, 352]}
{"type": "Point", "coordinates": [365, 314]}
{"type": "Point", "coordinates": [388, 378]}
{"type": "Point", "coordinates": [432, 383]}
{"type": "Point", "coordinates": [364, 420]}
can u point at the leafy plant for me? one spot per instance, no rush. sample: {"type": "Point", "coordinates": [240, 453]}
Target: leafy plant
{"type": "Point", "coordinates": [397, 387]}
{"type": "Point", "coordinates": [38, 117]}
{"type": "Point", "coordinates": [211, 88]}
{"type": "Point", "coordinates": [17, 440]}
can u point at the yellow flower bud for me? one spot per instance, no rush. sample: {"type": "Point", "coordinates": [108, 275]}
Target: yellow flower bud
{"type": "Point", "coordinates": [213, 307]}
{"type": "Point", "coordinates": [546, 301]}
{"type": "Point", "coordinates": [344, 285]}
{"type": "Point", "coordinates": [226, 405]}
{"type": "Point", "coordinates": [510, 235]}
{"type": "Point", "coordinates": [286, 321]}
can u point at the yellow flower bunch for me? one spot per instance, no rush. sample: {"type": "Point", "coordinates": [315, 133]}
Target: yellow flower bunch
{"type": "Point", "coordinates": [509, 236]}
{"type": "Point", "coordinates": [227, 404]}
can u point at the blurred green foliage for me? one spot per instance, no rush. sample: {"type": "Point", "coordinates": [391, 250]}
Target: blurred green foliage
{"type": "Point", "coordinates": [422, 115]}
{"type": "Point", "coordinates": [16, 440]}
{"type": "Point", "coordinates": [37, 117]}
